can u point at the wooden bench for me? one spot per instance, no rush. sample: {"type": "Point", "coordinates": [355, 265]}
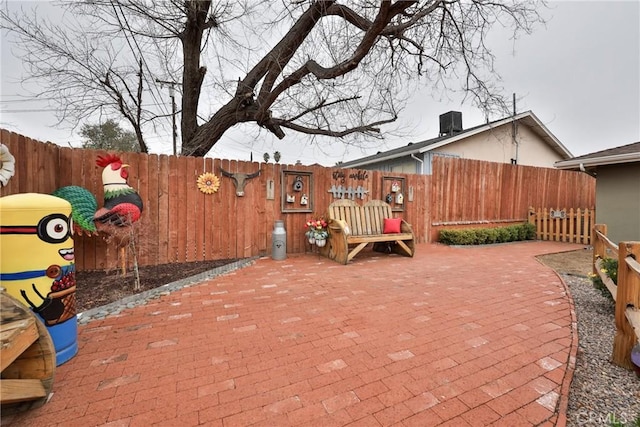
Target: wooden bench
{"type": "Point", "coordinates": [352, 227]}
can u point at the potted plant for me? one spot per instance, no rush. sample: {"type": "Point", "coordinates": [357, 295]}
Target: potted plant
{"type": "Point", "coordinates": [317, 231]}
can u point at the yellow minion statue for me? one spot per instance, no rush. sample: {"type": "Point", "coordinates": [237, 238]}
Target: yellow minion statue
{"type": "Point", "coordinates": [37, 263]}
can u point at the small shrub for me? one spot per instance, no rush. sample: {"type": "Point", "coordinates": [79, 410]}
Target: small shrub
{"type": "Point", "coordinates": [503, 235]}
{"type": "Point", "coordinates": [527, 232]}
{"type": "Point", "coordinates": [613, 422]}
{"type": "Point", "coordinates": [492, 235]}
{"type": "Point", "coordinates": [610, 268]}
{"type": "Point", "coordinates": [482, 236]}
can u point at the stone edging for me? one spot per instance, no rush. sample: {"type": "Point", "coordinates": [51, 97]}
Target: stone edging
{"type": "Point", "coordinates": [563, 399]}
{"type": "Point", "coordinates": [142, 298]}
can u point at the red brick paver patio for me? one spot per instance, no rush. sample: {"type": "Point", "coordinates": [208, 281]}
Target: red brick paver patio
{"type": "Point", "coordinates": [455, 336]}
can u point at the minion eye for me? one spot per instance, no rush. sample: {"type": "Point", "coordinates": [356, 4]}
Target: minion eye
{"type": "Point", "coordinates": [54, 228]}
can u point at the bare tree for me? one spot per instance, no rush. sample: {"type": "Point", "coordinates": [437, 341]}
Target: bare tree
{"type": "Point", "coordinates": [317, 67]}
{"type": "Point", "coordinates": [81, 75]}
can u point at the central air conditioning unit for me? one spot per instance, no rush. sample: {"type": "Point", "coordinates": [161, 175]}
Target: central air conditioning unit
{"type": "Point", "coordinates": [450, 123]}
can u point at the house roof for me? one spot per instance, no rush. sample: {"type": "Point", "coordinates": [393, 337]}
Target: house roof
{"type": "Point", "coordinates": [612, 156]}
{"type": "Point", "coordinates": [527, 118]}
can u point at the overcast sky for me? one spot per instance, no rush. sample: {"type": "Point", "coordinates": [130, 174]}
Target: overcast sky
{"type": "Point", "coordinates": [580, 75]}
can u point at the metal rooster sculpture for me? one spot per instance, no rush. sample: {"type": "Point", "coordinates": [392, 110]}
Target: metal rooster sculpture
{"type": "Point", "coordinates": [122, 204]}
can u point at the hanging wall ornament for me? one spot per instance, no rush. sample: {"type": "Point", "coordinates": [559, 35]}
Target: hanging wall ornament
{"type": "Point", "coordinates": [297, 184]}
{"type": "Point", "coordinates": [208, 183]}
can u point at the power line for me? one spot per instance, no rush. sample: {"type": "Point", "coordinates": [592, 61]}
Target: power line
{"type": "Point", "coordinates": [142, 59]}
{"type": "Point", "coordinates": [11, 101]}
{"type": "Point", "coordinates": [52, 109]}
{"type": "Point", "coordinates": [35, 110]}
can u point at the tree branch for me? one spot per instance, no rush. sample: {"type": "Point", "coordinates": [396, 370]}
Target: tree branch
{"type": "Point", "coordinates": [370, 128]}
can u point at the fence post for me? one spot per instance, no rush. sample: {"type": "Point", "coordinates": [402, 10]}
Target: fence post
{"type": "Point", "coordinates": [599, 249]}
{"type": "Point", "coordinates": [590, 220]}
{"type": "Point", "coordinates": [532, 215]}
{"type": "Point", "coordinates": [572, 220]}
{"type": "Point", "coordinates": [627, 293]}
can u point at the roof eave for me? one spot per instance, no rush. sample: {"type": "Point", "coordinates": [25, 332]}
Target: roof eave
{"type": "Point", "coordinates": [422, 147]}
{"type": "Point", "coordinates": [552, 140]}
{"type": "Point", "coordinates": [369, 161]}
{"type": "Point", "coordinates": [598, 161]}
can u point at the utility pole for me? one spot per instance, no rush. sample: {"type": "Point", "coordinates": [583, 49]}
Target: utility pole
{"type": "Point", "coordinates": [514, 130]}
{"type": "Point", "coordinates": [173, 111]}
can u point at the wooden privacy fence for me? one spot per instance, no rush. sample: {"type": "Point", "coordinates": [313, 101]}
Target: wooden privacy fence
{"type": "Point", "coordinates": [563, 225]}
{"type": "Point", "coordinates": [472, 193]}
{"type": "Point", "coordinates": [181, 224]}
{"type": "Point", "coordinates": [626, 292]}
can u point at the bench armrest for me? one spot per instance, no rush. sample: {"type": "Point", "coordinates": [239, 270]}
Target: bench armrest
{"type": "Point", "coordinates": [339, 226]}
{"type": "Point", "coordinates": [405, 227]}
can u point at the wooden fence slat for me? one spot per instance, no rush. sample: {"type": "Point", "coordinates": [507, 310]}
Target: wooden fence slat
{"type": "Point", "coordinates": [191, 176]}
{"type": "Point", "coordinates": [173, 211]}
{"type": "Point", "coordinates": [572, 220]}
{"type": "Point", "coordinates": [199, 220]}
{"type": "Point", "coordinates": [207, 209]}
{"type": "Point", "coordinates": [163, 222]}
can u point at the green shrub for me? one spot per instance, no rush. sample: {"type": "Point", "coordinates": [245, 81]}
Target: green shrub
{"type": "Point", "coordinates": [527, 231]}
{"type": "Point", "coordinates": [503, 235]}
{"type": "Point", "coordinates": [610, 268]}
{"type": "Point", "coordinates": [492, 235]}
{"type": "Point", "coordinates": [613, 422]}
{"type": "Point", "coordinates": [482, 236]}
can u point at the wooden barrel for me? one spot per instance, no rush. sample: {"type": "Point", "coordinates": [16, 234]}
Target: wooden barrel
{"type": "Point", "coordinates": [27, 357]}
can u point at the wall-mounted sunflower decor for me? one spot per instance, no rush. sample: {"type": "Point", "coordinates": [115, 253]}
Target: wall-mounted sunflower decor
{"type": "Point", "coordinates": [208, 183]}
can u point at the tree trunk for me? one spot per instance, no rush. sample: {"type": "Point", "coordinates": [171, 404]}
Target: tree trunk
{"type": "Point", "coordinates": [223, 120]}
{"type": "Point", "coordinates": [192, 74]}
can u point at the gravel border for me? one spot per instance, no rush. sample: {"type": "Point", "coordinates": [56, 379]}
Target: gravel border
{"type": "Point", "coordinates": [143, 297]}
{"type": "Point", "coordinates": [600, 391]}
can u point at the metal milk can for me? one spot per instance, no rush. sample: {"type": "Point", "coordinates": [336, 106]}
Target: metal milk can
{"type": "Point", "coordinates": [279, 241]}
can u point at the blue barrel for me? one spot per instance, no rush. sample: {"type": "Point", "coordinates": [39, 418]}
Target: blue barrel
{"type": "Point", "coordinates": [37, 263]}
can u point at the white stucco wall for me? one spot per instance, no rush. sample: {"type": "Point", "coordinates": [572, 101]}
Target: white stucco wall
{"type": "Point", "coordinates": [496, 145]}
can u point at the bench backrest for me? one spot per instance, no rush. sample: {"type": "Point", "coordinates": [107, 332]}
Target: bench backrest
{"type": "Point", "coordinates": [364, 220]}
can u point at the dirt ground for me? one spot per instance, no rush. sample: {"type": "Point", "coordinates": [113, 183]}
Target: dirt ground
{"type": "Point", "coordinates": [97, 288]}
{"type": "Point", "coordinates": [577, 263]}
